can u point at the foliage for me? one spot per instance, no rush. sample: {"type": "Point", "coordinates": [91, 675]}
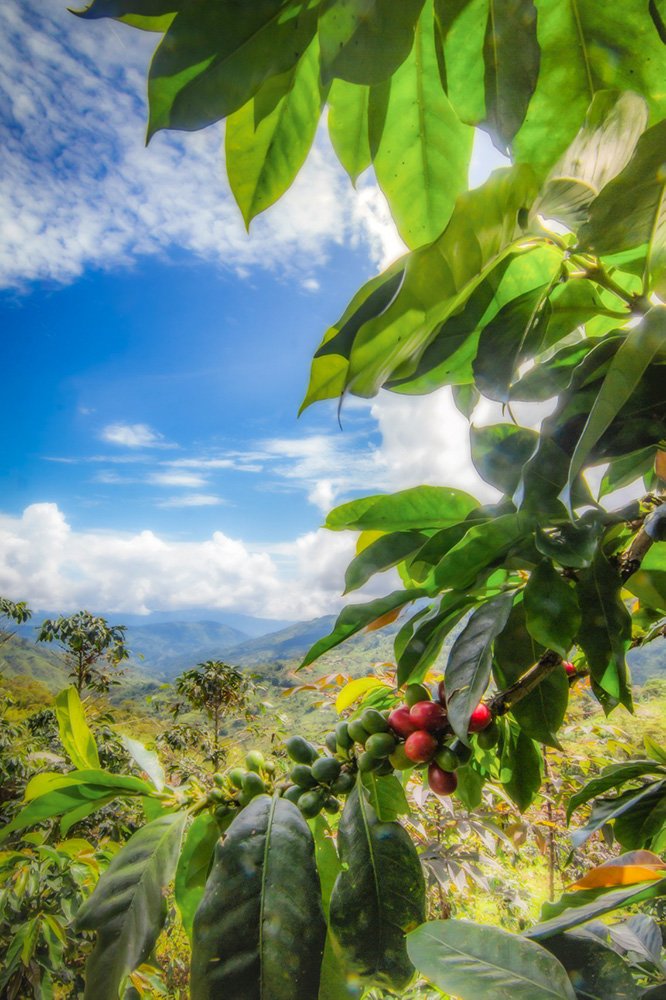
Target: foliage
{"type": "Point", "coordinates": [544, 283]}
{"type": "Point", "coordinates": [93, 648]}
{"type": "Point", "coordinates": [12, 611]}
{"type": "Point", "coordinates": [217, 689]}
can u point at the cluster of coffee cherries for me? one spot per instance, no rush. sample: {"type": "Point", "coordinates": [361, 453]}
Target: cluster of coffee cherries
{"type": "Point", "coordinates": [240, 785]}
{"type": "Point", "coordinates": [316, 780]}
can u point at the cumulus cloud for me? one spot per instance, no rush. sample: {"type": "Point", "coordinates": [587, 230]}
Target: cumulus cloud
{"type": "Point", "coordinates": [78, 188]}
{"type": "Point", "coordinates": [50, 565]}
{"type": "Point", "coordinates": [192, 500]}
{"type": "Point", "coordinates": [187, 479]}
{"type": "Point", "coordinates": [131, 435]}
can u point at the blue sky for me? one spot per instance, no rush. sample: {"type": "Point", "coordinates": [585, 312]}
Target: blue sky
{"type": "Point", "coordinates": [155, 354]}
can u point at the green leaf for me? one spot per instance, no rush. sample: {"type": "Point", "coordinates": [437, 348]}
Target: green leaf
{"type": "Point", "coordinates": [422, 158]}
{"type": "Point", "coordinates": [263, 160]}
{"type": "Point", "coordinates": [612, 777]}
{"type": "Point", "coordinates": [551, 607]}
{"type": "Point", "coordinates": [128, 905]}
{"type": "Point", "coordinates": [511, 58]}
{"type": "Point", "coordinates": [630, 210]}
{"type": "Point", "coordinates": [259, 930]}
{"type": "Point", "coordinates": [365, 42]}
{"type": "Point", "coordinates": [541, 713]}
{"type": "Point", "coordinates": [570, 544]}
{"type": "Point", "coordinates": [499, 453]}
{"type": "Point", "coordinates": [605, 631]}
{"type": "Point", "coordinates": [334, 982]}
{"type": "Point", "coordinates": [515, 649]}
{"type": "Point", "coordinates": [579, 906]}
{"type": "Point", "coordinates": [643, 825]}
{"type": "Point", "coordinates": [483, 546]}
{"type": "Point", "coordinates": [624, 375]}
{"type": "Point", "coordinates": [193, 867]}
{"type": "Point", "coordinates": [354, 617]}
{"type": "Point", "coordinates": [477, 962]}
{"type": "Point", "coordinates": [470, 787]}
{"type": "Point", "coordinates": [378, 895]}
{"type": "Point", "coordinates": [520, 767]}
{"type": "Point", "coordinates": [626, 470]}
{"type": "Point", "coordinates": [147, 760]}
{"type": "Point", "coordinates": [155, 15]}
{"type": "Point", "coordinates": [598, 972]}
{"type": "Point", "coordinates": [418, 508]}
{"type": "Point", "coordinates": [586, 48]}
{"type": "Point", "coordinates": [602, 148]}
{"type": "Point", "coordinates": [649, 587]}
{"type": "Point", "coordinates": [386, 796]}
{"type": "Point", "coordinates": [216, 56]}
{"type": "Point", "coordinates": [348, 126]}
{"type": "Point", "coordinates": [75, 735]}
{"type": "Point", "coordinates": [416, 652]}
{"type": "Point", "coordinates": [461, 27]}
{"type": "Point", "coordinates": [468, 668]}
{"type": "Point", "coordinates": [381, 555]}
{"type": "Point", "coordinates": [606, 810]}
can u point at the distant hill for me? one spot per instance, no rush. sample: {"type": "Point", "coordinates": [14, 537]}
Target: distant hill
{"type": "Point", "coordinates": [22, 658]}
{"type": "Point", "coordinates": [168, 648]}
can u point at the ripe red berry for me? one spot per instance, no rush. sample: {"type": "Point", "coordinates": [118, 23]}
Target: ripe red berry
{"type": "Point", "coordinates": [401, 722]}
{"type": "Point", "coordinates": [442, 782]}
{"type": "Point", "coordinates": [569, 667]}
{"type": "Point", "coordinates": [420, 746]}
{"type": "Point", "coordinates": [480, 718]}
{"type": "Point", "coordinates": [427, 715]}
{"type": "Point", "coordinates": [441, 692]}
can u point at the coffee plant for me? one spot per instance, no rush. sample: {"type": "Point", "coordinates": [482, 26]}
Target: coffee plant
{"type": "Point", "coordinates": [543, 285]}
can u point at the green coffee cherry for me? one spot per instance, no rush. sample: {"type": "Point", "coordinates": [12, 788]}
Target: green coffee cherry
{"type": "Point", "coordinates": [446, 759]}
{"type": "Point", "coordinates": [374, 721]}
{"type": "Point", "coordinates": [236, 775]}
{"type": "Point", "coordinates": [342, 736]}
{"type": "Point", "coordinates": [222, 812]}
{"type": "Point", "coordinates": [254, 761]}
{"type": "Point", "coordinates": [416, 692]}
{"type": "Point", "coordinates": [331, 805]}
{"type": "Point", "coordinates": [380, 745]}
{"type": "Point", "coordinates": [293, 794]}
{"type": "Point", "coordinates": [343, 784]}
{"type": "Point", "coordinates": [384, 767]}
{"type": "Point", "coordinates": [399, 759]}
{"type": "Point", "coordinates": [331, 742]}
{"type": "Point", "coordinates": [462, 752]}
{"type": "Point", "coordinates": [310, 804]}
{"type": "Point", "coordinates": [253, 784]}
{"type": "Point", "coordinates": [216, 795]}
{"type": "Point", "coordinates": [218, 779]}
{"type": "Point", "coordinates": [300, 750]}
{"type": "Point", "coordinates": [302, 775]}
{"type": "Point", "coordinates": [357, 731]}
{"type": "Point", "coordinates": [269, 766]}
{"type": "Point", "coordinates": [488, 738]}
{"type": "Point", "coordinates": [326, 769]}
{"type": "Point", "coordinates": [367, 762]}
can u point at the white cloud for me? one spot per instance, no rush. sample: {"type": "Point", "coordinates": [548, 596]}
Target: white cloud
{"type": "Point", "coordinates": [44, 561]}
{"type": "Point", "coordinates": [186, 479]}
{"type": "Point", "coordinates": [132, 436]}
{"type": "Point", "coordinates": [79, 189]}
{"type": "Point", "coordinates": [192, 500]}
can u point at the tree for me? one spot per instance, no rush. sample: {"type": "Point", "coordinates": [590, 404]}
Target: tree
{"type": "Point", "coordinates": [12, 611]}
{"type": "Point", "coordinates": [215, 688]}
{"type": "Point", "coordinates": [545, 283]}
{"type": "Point", "coordinates": [93, 648]}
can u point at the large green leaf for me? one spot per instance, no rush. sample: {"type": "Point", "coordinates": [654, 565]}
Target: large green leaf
{"type": "Point", "coordinates": [598, 972]}
{"type": "Point", "coordinates": [499, 453]}
{"type": "Point", "coordinates": [640, 801]}
{"type": "Point", "coordinates": [579, 906]}
{"type": "Point", "coordinates": [74, 732]}
{"type": "Point", "coordinates": [216, 55]}
{"type": "Point", "coordinates": [386, 796]}
{"type": "Point", "coordinates": [348, 126]}
{"type": "Point", "coordinates": [416, 651]}
{"type": "Point", "coordinates": [263, 160]}
{"type": "Point", "coordinates": [541, 713]}
{"type": "Point", "coordinates": [334, 981]}
{"type": "Point", "coordinates": [483, 546]}
{"type": "Point", "coordinates": [612, 776]}
{"type": "Point", "coordinates": [378, 895]}
{"type": "Point", "coordinates": [194, 865]}
{"type": "Point", "coordinates": [587, 47]}
{"type": "Point", "coordinates": [551, 608]}
{"type": "Point", "coordinates": [602, 148]}
{"type": "Point", "coordinates": [364, 41]}
{"type": "Point", "coordinates": [147, 760]}
{"type": "Point", "coordinates": [150, 15]}
{"type": "Point", "coordinates": [381, 555]}
{"type": "Point", "coordinates": [477, 962]}
{"type": "Point", "coordinates": [417, 508]}
{"type": "Point", "coordinates": [644, 824]}
{"type": "Point", "coordinates": [422, 158]}
{"type": "Point", "coordinates": [357, 616]}
{"type": "Point", "coordinates": [570, 544]}
{"type": "Point", "coordinates": [605, 631]}
{"type": "Point", "coordinates": [468, 667]}
{"type": "Point", "coordinates": [259, 930]}
{"type": "Point", "coordinates": [515, 650]}
{"type": "Point", "coordinates": [128, 905]}
{"type": "Point", "coordinates": [520, 767]}
{"type": "Point", "coordinates": [511, 58]}
{"type": "Point", "coordinates": [624, 375]}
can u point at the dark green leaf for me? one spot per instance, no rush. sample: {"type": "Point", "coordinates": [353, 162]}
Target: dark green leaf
{"type": "Point", "coordinates": [598, 972]}
{"type": "Point", "coordinates": [461, 25]}
{"type": "Point", "coordinates": [128, 905]}
{"type": "Point", "coordinates": [468, 668]}
{"type": "Point", "coordinates": [354, 617]}
{"type": "Point", "coordinates": [216, 56]}
{"type": "Point", "coordinates": [386, 796]}
{"type": "Point", "coordinates": [418, 508]}
{"type": "Point", "coordinates": [470, 787]}
{"type": "Point", "coordinates": [334, 981]}
{"type": "Point", "coordinates": [193, 867]}
{"type": "Point", "coordinates": [612, 776]}
{"type": "Point", "coordinates": [378, 895]}
{"type": "Point", "coordinates": [605, 631]}
{"type": "Point", "coordinates": [640, 801]}
{"type": "Point", "coordinates": [551, 608]}
{"type": "Point", "coordinates": [146, 10]}
{"type": "Point", "coordinates": [499, 453]}
{"type": "Point", "coordinates": [417, 652]}
{"type": "Point", "coordinates": [422, 158]}
{"type": "Point", "coordinates": [477, 962]}
{"type": "Point", "coordinates": [259, 930]}
{"type": "Point", "coordinates": [626, 470]}
{"type": "Point", "coordinates": [511, 58]}
{"type": "Point", "coordinates": [520, 767]}
{"type": "Point", "coordinates": [465, 397]}
{"type": "Point", "coordinates": [485, 545]}
{"type": "Point", "coordinates": [381, 555]}
{"type": "Point", "coordinates": [75, 735]}
{"type": "Point", "coordinates": [579, 906]}
{"type": "Point", "coordinates": [348, 126]}
{"type": "Point", "coordinates": [644, 824]}
{"type": "Point", "coordinates": [263, 160]}
{"type": "Point", "coordinates": [365, 42]}
{"type": "Point", "coordinates": [570, 544]}
{"type": "Point", "coordinates": [541, 713]}
{"type": "Point", "coordinates": [515, 649]}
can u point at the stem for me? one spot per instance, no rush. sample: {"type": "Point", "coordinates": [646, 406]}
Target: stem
{"type": "Point", "coordinates": [551, 828]}
{"type": "Point", "coordinates": [216, 744]}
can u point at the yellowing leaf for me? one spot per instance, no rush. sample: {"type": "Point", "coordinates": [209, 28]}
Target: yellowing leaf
{"type": "Point", "coordinates": [383, 620]}
{"type": "Point", "coordinates": [660, 464]}
{"type": "Point", "coordinates": [628, 869]}
{"type": "Point", "coordinates": [367, 538]}
{"type": "Point", "coordinates": [354, 690]}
